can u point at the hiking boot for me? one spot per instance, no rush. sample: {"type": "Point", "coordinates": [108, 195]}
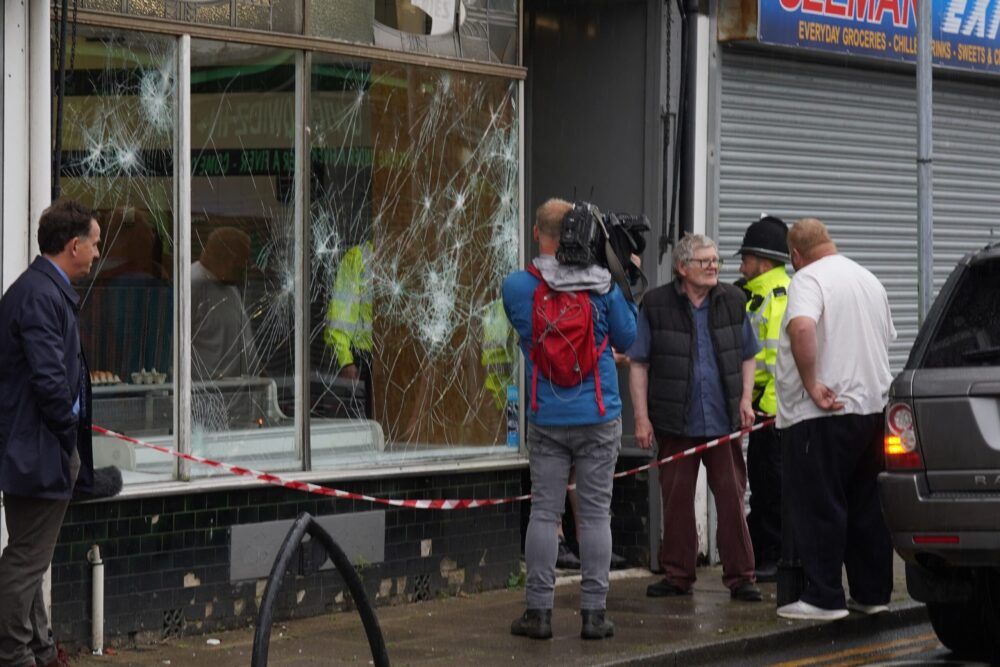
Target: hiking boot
{"type": "Point", "coordinates": [595, 624]}
{"type": "Point", "coordinates": [665, 589]}
{"type": "Point", "coordinates": [534, 623]}
{"type": "Point", "coordinates": [746, 592]}
{"type": "Point", "coordinates": [565, 558]}
{"type": "Point", "coordinates": [618, 562]}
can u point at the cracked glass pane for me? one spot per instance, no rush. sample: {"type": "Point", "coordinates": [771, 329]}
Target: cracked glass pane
{"type": "Point", "coordinates": [243, 254]}
{"type": "Point", "coordinates": [117, 138]}
{"type": "Point", "coordinates": [414, 224]}
{"type": "Point", "coordinates": [484, 30]}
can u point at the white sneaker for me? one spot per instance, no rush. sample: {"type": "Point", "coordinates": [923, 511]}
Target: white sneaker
{"type": "Point", "coordinates": [869, 609]}
{"type": "Point", "coordinates": [803, 611]}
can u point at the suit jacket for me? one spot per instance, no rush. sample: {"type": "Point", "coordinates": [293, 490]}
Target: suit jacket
{"type": "Point", "coordinates": [42, 373]}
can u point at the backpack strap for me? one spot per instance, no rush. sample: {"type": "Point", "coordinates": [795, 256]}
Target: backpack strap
{"type": "Point", "coordinates": [597, 377]}
{"type": "Point", "coordinates": [533, 270]}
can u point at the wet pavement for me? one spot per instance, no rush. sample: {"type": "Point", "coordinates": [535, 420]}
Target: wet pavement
{"type": "Point", "coordinates": [704, 628]}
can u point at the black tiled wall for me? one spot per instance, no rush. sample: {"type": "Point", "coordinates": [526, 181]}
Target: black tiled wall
{"type": "Point", "coordinates": [629, 513]}
{"type": "Point", "coordinates": [172, 553]}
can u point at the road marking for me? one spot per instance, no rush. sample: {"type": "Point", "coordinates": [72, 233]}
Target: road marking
{"type": "Point", "coordinates": [883, 657]}
{"type": "Point", "coordinates": [829, 657]}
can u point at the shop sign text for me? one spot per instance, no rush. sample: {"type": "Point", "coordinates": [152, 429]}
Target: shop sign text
{"type": "Point", "coordinates": [965, 32]}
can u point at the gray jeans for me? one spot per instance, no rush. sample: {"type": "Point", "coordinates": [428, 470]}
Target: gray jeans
{"type": "Point", "coordinates": [552, 452]}
{"type": "Point", "coordinates": [33, 526]}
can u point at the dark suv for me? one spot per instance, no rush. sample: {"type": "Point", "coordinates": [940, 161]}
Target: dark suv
{"type": "Point", "coordinates": [941, 491]}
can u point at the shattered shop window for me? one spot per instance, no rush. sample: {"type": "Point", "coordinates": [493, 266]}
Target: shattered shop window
{"type": "Point", "coordinates": [243, 255]}
{"type": "Point", "coordinates": [483, 30]}
{"type": "Point", "coordinates": [118, 111]}
{"type": "Point", "coordinates": [413, 225]}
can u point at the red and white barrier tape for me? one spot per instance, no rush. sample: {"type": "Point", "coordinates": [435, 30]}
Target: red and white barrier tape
{"type": "Point", "coordinates": [439, 504]}
{"type": "Point", "coordinates": [697, 449]}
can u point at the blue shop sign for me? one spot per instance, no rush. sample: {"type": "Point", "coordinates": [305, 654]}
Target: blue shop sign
{"type": "Point", "coordinates": [964, 32]}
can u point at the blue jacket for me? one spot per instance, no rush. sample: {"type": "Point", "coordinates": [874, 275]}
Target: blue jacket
{"type": "Point", "coordinates": [572, 406]}
{"type": "Point", "coordinates": [42, 373]}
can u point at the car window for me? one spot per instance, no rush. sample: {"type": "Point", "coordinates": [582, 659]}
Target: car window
{"type": "Point", "coordinates": [969, 332]}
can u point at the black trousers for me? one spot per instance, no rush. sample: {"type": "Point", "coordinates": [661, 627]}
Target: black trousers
{"type": "Point", "coordinates": [831, 465]}
{"type": "Point", "coordinates": [764, 476]}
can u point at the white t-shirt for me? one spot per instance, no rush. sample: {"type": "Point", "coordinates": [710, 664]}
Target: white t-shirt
{"type": "Point", "coordinates": [853, 331]}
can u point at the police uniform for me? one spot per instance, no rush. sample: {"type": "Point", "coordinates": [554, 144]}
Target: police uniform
{"type": "Point", "coordinates": [767, 298]}
{"type": "Point", "coordinates": [348, 330]}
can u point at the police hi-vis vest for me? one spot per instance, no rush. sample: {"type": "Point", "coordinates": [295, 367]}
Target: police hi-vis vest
{"type": "Point", "coordinates": [766, 310]}
{"type": "Point", "coordinates": [349, 313]}
{"type": "Point", "coordinates": [497, 356]}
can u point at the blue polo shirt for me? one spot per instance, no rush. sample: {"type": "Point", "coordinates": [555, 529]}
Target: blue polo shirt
{"type": "Point", "coordinates": [707, 414]}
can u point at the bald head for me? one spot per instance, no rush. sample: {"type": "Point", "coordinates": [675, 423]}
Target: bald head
{"type": "Point", "coordinates": [227, 253]}
{"type": "Point", "coordinates": [548, 224]}
{"type": "Point", "coordinates": [549, 217]}
{"type": "Point", "coordinates": [809, 240]}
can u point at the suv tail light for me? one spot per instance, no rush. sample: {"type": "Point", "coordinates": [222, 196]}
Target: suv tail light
{"type": "Point", "coordinates": [901, 450]}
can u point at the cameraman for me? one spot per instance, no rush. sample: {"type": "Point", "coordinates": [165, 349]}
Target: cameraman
{"type": "Point", "coordinates": [569, 429]}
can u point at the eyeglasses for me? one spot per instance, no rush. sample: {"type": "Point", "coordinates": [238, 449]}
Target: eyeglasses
{"type": "Point", "coordinates": [706, 263]}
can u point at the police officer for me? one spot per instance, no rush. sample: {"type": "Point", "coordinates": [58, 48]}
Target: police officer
{"type": "Point", "coordinates": [764, 253]}
{"type": "Point", "coordinates": [348, 330]}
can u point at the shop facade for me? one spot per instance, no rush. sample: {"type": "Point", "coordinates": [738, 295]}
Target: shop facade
{"type": "Point", "coordinates": [814, 114]}
{"type": "Point", "coordinates": [307, 210]}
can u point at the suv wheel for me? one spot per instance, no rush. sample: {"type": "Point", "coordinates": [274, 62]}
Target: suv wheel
{"type": "Point", "coordinates": [960, 628]}
{"type": "Point", "coordinates": [970, 628]}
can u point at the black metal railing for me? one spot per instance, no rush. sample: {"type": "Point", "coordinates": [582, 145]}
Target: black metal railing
{"type": "Point", "coordinates": [303, 525]}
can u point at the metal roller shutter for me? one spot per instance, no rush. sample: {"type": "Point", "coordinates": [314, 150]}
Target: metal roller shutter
{"type": "Point", "coordinates": [810, 139]}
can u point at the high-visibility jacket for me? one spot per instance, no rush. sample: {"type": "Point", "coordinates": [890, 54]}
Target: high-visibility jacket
{"type": "Point", "coordinates": [766, 309]}
{"type": "Point", "coordinates": [349, 313]}
{"type": "Point", "coordinates": [497, 356]}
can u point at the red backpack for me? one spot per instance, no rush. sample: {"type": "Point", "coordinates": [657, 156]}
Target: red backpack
{"type": "Point", "coordinates": [563, 347]}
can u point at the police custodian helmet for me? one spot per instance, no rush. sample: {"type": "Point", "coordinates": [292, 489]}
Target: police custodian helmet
{"type": "Point", "coordinates": [768, 238]}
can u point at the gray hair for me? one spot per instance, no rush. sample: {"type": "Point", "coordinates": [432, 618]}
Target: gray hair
{"type": "Point", "coordinates": [684, 250]}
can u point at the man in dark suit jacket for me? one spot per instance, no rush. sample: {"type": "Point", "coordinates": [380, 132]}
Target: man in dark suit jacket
{"type": "Point", "coordinates": [45, 408]}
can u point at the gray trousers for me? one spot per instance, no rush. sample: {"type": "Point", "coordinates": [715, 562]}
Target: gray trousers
{"type": "Point", "coordinates": [33, 526]}
{"type": "Point", "coordinates": [552, 452]}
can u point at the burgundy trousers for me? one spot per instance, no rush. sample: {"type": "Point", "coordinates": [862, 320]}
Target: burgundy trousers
{"type": "Point", "coordinates": [727, 478]}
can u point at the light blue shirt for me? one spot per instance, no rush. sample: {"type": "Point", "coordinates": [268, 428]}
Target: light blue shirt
{"type": "Point", "coordinates": [76, 403]}
{"type": "Point", "coordinates": [707, 415]}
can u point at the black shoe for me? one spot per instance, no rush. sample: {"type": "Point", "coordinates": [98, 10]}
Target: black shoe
{"type": "Point", "coordinates": [566, 559]}
{"type": "Point", "coordinates": [595, 624]}
{"type": "Point", "coordinates": [664, 589]}
{"type": "Point", "coordinates": [534, 623]}
{"type": "Point", "coordinates": [766, 573]}
{"type": "Point", "coordinates": [746, 592]}
{"type": "Point", "coordinates": [618, 562]}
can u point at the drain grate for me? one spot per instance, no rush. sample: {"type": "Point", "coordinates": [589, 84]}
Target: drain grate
{"type": "Point", "coordinates": [173, 623]}
{"type": "Point", "coordinates": [421, 587]}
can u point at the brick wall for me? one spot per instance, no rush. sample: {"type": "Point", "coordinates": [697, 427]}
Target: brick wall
{"type": "Point", "coordinates": [167, 559]}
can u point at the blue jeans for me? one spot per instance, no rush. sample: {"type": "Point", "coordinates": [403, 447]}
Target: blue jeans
{"type": "Point", "coordinates": [552, 452]}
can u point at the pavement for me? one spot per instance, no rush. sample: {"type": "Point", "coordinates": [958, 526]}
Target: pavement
{"type": "Point", "coordinates": [704, 628]}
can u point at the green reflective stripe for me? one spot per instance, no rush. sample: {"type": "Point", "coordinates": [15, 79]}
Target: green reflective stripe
{"type": "Point", "coordinates": [770, 344]}
{"type": "Point", "coordinates": [346, 296]}
{"type": "Point", "coordinates": [763, 366]}
{"type": "Point", "coordinates": [346, 325]}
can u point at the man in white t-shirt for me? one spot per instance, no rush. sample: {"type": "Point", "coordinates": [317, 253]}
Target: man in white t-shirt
{"type": "Point", "coordinates": [832, 383]}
